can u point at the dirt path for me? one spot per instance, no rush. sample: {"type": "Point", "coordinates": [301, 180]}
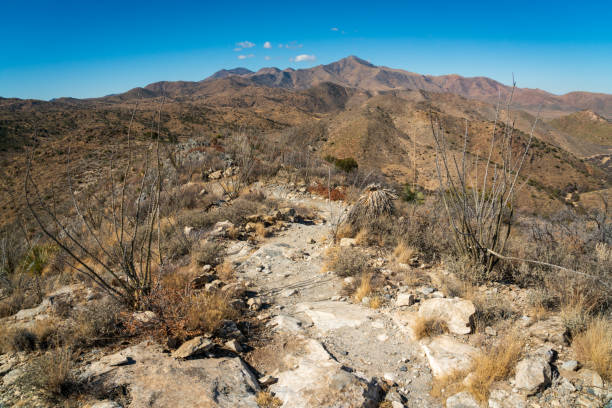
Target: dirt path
{"type": "Point", "coordinates": [306, 303]}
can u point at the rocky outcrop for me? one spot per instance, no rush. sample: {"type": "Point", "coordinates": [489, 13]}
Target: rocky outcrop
{"type": "Point", "coordinates": [319, 381]}
{"type": "Point", "coordinates": [154, 379]}
{"type": "Point", "coordinates": [446, 355]}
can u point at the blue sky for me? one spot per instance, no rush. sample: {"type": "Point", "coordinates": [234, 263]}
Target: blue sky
{"type": "Point", "coordinates": [89, 48]}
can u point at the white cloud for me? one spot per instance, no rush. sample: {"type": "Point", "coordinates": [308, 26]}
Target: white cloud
{"type": "Point", "coordinates": [241, 57]}
{"type": "Point", "coordinates": [267, 58]}
{"type": "Point", "coordinates": [334, 28]}
{"type": "Point", "coordinates": [245, 44]}
{"type": "Point", "coordinates": [304, 57]}
{"type": "Point", "coordinates": [267, 44]}
{"type": "Point", "coordinates": [237, 49]}
{"type": "Point", "coordinates": [292, 45]}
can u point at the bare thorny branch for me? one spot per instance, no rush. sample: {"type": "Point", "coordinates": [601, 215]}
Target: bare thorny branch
{"type": "Point", "coordinates": [118, 253]}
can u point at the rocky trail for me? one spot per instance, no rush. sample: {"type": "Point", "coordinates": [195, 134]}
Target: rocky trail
{"type": "Point", "coordinates": [349, 344]}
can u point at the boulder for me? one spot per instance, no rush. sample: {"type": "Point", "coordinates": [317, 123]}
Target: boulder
{"type": "Point", "coordinates": [456, 313]}
{"type": "Point", "coordinates": [157, 380]}
{"type": "Point", "coordinates": [571, 365]}
{"type": "Point", "coordinates": [146, 318]}
{"type": "Point", "coordinates": [462, 400]}
{"type": "Point", "coordinates": [319, 381]}
{"type": "Point", "coordinates": [446, 355]}
{"type": "Point", "coordinates": [550, 330]}
{"type": "Point", "coordinates": [196, 346]}
{"type": "Point", "coordinates": [285, 324]}
{"type": "Point", "coordinates": [220, 229]}
{"type": "Point", "coordinates": [532, 375]}
{"type": "Point", "coordinates": [590, 378]}
{"type": "Point", "coordinates": [329, 315]}
{"type": "Point", "coordinates": [405, 299]}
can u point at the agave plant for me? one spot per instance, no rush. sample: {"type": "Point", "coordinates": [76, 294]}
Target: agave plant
{"type": "Point", "coordinates": [374, 202]}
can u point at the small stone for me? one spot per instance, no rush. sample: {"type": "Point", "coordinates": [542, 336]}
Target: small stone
{"type": "Point", "coordinates": [365, 300]}
{"type": "Point", "coordinates": [267, 380]}
{"type": "Point", "coordinates": [437, 294]}
{"type": "Point", "coordinates": [382, 337]}
{"type": "Point", "coordinates": [213, 286]}
{"type": "Point", "coordinates": [147, 317]}
{"type": "Point", "coordinates": [234, 346]}
{"type": "Point", "coordinates": [335, 298]}
{"type": "Point", "coordinates": [348, 242]}
{"type": "Point", "coordinates": [403, 368]}
{"type": "Point", "coordinates": [288, 293]}
{"type": "Point", "coordinates": [106, 404]}
{"type": "Point", "coordinates": [426, 290]}
{"type": "Point", "coordinates": [206, 268]}
{"type": "Point", "coordinates": [490, 331]}
{"type": "Point", "coordinates": [349, 280]}
{"type": "Point", "coordinates": [590, 378]}
{"type": "Point", "coordinates": [571, 365]}
{"type": "Point", "coordinates": [195, 346]}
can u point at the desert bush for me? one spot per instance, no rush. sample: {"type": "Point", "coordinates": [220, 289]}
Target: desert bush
{"type": "Point", "coordinates": [19, 339]}
{"type": "Point", "coordinates": [346, 165]}
{"type": "Point", "coordinates": [404, 253]}
{"type": "Point", "coordinates": [423, 327]}
{"type": "Point", "coordinates": [490, 308]}
{"type": "Point", "coordinates": [346, 261]}
{"type": "Point", "coordinates": [480, 210]}
{"type": "Point", "coordinates": [411, 195]}
{"type": "Point", "coordinates": [208, 253]}
{"type": "Point", "coordinates": [594, 346]}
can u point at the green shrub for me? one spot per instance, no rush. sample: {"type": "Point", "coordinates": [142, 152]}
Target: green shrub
{"type": "Point", "coordinates": [347, 165]}
{"type": "Point", "coordinates": [411, 196]}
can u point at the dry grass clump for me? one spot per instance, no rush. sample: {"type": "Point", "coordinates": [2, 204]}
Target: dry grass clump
{"type": "Point", "coordinates": [345, 231]}
{"type": "Point", "coordinates": [261, 231]}
{"type": "Point", "coordinates": [207, 310]}
{"type": "Point", "coordinates": [265, 399]}
{"type": "Point", "coordinates": [365, 287]}
{"type": "Point", "coordinates": [346, 261]}
{"type": "Point", "coordinates": [496, 364]}
{"type": "Point", "coordinates": [403, 253]}
{"type": "Point", "coordinates": [490, 309]}
{"type": "Point", "coordinates": [362, 237]}
{"type": "Point", "coordinates": [423, 327]}
{"type": "Point", "coordinates": [52, 371]}
{"type": "Point", "coordinates": [375, 302]}
{"type": "Point", "coordinates": [594, 346]}
{"type": "Point", "coordinates": [225, 271]}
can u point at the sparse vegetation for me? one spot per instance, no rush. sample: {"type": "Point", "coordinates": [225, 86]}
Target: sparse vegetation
{"type": "Point", "coordinates": [267, 400]}
{"type": "Point", "coordinates": [424, 327]}
{"type": "Point", "coordinates": [594, 345]}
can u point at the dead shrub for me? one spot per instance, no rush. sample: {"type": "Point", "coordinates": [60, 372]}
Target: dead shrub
{"type": "Point", "coordinates": [594, 346]}
{"type": "Point", "coordinates": [346, 261]}
{"type": "Point", "coordinates": [225, 271]}
{"type": "Point", "coordinates": [490, 309]}
{"type": "Point", "coordinates": [423, 327]}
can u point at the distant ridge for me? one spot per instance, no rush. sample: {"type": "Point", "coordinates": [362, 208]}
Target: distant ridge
{"type": "Point", "coordinates": [358, 73]}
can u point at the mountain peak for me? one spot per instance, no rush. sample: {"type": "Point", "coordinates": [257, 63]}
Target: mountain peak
{"type": "Point", "coordinates": [229, 72]}
{"type": "Point", "coordinates": [354, 60]}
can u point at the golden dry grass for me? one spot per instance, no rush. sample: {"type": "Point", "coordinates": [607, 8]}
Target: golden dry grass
{"type": "Point", "coordinates": [495, 364]}
{"type": "Point", "coordinates": [403, 253]}
{"type": "Point", "coordinates": [267, 400]}
{"type": "Point", "coordinates": [428, 327]}
{"type": "Point", "coordinates": [594, 346]}
{"type": "Point", "coordinates": [225, 271]}
{"type": "Point", "coordinates": [208, 310]}
{"type": "Point", "coordinates": [364, 288]}
{"type": "Point", "coordinates": [362, 237]}
{"type": "Point", "coordinates": [345, 231]}
{"type": "Point", "coordinates": [376, 302]}
{"type": "Point", "coordinates": [261, 231]}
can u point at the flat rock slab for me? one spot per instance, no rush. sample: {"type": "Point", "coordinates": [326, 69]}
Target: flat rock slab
{"type": "Point", "coordinates": [319, 381]}
{"type": "Point", "coordinates": [445, 355]}
{"type": "Point", "coordinates": [332, 315]}
{"type": "Point", "coordinates": [156, 380]}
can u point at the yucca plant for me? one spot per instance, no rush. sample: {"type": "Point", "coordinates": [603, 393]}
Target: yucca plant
{"type": "Point", "coordinates": [374, 202]}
